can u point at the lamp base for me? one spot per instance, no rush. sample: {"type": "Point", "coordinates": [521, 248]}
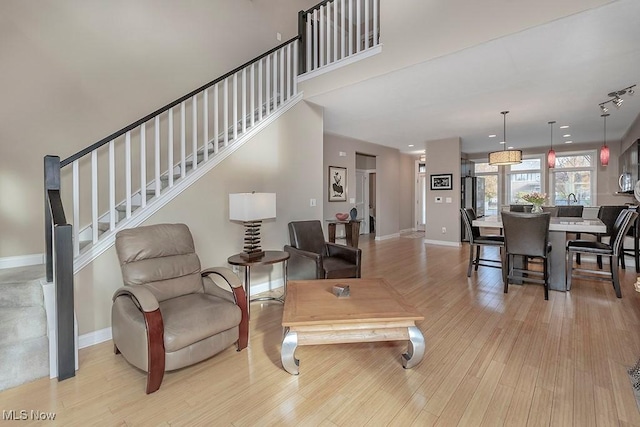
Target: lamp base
{"type": "Point", "coordinates": [252, 256]}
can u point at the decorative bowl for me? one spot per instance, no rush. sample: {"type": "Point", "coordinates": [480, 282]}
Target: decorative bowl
{"type": "Point", "coordinates": [342, 216]}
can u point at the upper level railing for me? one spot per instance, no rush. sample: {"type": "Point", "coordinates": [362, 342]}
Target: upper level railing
{"type": "Point", "coordinates": [334, 30]}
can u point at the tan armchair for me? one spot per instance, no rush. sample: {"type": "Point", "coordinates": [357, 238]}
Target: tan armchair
{"type": "Point", "coordinates": [170, 313]}
{"type": "Point", "coordinates": [314, 258]}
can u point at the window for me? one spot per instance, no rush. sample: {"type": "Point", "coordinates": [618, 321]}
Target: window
{"type": "Point", "coordinates": [490, 175]}
{"type": "Point", "coordinates": [574, 175]}
{"type": "Point", "coordinates": [524, 178]}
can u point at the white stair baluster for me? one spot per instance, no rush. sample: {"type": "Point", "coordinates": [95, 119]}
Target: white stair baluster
{"type": "Point", "coordinates": [289, 76]}
{"type": "Point", "coordinates": [260, 90]}
{"type": "Point", "coordinates": [274, 96]}
{"type": "Point", "coordinates": [194, 132]}
{"type": "Point", "coordinates": [322, 36]}
{"type": "Point", "coordinates": [343, 29]}
{"type": "Point", "coordinates": [244, 100]}
{"type": "Point", "coordinates": [76, 208]}
{"type": "Point", "coordinates": [328, 34]}
{"type": "Point", "coordinates": [112, 185]}
{"type": "Point", "coordinates": [205, 124]}
{"type": "Point", "coordinates": [350, 27]}
{"type": "Point", "coordinates": [308, 40]}
{"type": "Point", "coordinates": [127, 171]}
{"type": "Point", "coordinates": [94, 196]}
{"type": "Point", "coordinates": [315, 39]}
{"type": "Point", "coordinates": [235, 106]}
{"type": "Point", "coordinates": [335, 30]}
{"type": "Point", "coordinates": [358, 25]}
{"type": "Point", "coordinates": [366, 24]}
{"type": "Point", "coordinates": [170, 149]}
{"type": "Point", "coordinates": [295, 68]}
{"type": "Point", "coordinates": [225, 106]}
{"type": "Point", "coordinates": [267, 82]}
{"type": "Point", "coordinates": [216, 128]}
{"type": "Point", "coordinates": [183, 141]}
{"type": "Point", "coordinates": [156, 125]}
{"type": "Point", "coordinates": [376, 23]}
{"type": "Point", "coordinates": [282, 74]}
{"type": "Point", "coordinates": [253, 94]}
{"type": "Point", "coordinates": [143, 165]}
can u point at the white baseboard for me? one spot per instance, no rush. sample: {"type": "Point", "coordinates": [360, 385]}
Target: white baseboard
{"type": "Point", "coordinates": [387, 237]}
{"type": "Point", "coordinates": [443, 243]}
{"type": "Point", "coordinates": [95, 337]}
{"type": "Point", "coordinates": [21, 261]}
{"type": "Point", "coordinates": [409, 230]}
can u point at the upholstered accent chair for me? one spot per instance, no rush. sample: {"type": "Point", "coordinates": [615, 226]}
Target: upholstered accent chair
{"type": "Point", "coordinates": [170, 314]}
{"type": "Point", "coordinates": [314, 258]}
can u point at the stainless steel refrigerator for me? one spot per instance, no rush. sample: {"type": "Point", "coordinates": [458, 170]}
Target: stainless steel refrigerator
{"type": "Point", "coordinates": [472, 197]}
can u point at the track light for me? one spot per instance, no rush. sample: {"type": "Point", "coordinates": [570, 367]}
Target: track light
{"type": "Point", "coordinates": [615, 98]}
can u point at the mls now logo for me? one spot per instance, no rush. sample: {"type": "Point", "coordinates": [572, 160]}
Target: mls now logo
{"type": "Point", "coordinates": [15, 415]}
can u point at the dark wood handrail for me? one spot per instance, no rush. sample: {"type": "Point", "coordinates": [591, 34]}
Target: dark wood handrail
{"type": "Point", "coordinates": [322, 3]}
{"type": "Point", "coordinates": [148, 117]}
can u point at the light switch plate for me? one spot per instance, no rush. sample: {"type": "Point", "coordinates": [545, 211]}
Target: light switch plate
{"type": "Point", "coordinates": [449, 200]}
{"type": "Point", "coordinates": [352, 200]}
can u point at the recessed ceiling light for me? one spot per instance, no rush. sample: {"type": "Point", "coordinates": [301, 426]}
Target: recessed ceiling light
{"type": "Point", "coordinates": [568, 142]}
{"type": "Point", "coordinates": [501, 142]}
{"type": "Point", "coordinates": [509, 148]}
{"type": "Point", "coordinates": [493, 135]}
{"type": "Point", "coordinates": [410, 145]}
{"type": "Point", "coordinates": [567, 135]}
{"type": "Point", "coordinates": [564, 127]}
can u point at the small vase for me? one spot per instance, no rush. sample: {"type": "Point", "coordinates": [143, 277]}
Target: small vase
{"type": "Point", "coordinates": [353, 213]}
{"type": "Point", "coordinates": [536, 208]}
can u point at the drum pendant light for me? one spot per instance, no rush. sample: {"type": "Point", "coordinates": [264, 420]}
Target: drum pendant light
{"type": "Point", "coordinates": [505, 157]}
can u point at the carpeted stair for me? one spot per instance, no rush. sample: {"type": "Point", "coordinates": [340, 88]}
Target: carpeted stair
{"type": "Point", "coordinates": [24, 346]}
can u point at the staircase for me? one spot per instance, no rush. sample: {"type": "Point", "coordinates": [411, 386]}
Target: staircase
{"type": "Point", "coordinates": [123, 179]}
{"type": "Point", "coordinates": [24, 346]}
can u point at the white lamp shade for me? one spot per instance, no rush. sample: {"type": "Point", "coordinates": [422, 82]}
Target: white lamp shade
{"type": "Point", "coordinates": [252, 206]}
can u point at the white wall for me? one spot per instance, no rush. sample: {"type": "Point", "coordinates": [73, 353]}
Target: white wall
{"type": "Point", "coordinates": [388, 179]}
{"type": "Point", "coordinates": [74, 71]}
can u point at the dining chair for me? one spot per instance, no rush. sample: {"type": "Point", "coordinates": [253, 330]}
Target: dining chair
{"type": "Point", "coordinates": [477, 240]}
{"type": "Point", "coordinates": [526, 235]}
{"type": "Point", "coordinates": [634, 233]}
{"type": "Point", "coordinates": [613, 250]}
{"type": "Point", "coordinates": [571, 211]}
{"type": "Point", "coordinates": [608, 214]}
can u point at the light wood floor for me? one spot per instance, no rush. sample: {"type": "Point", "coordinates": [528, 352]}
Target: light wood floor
{"type": "Point", "coordinates": [492, 359]}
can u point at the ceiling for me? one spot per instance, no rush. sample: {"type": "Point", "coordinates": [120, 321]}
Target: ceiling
{"type": "Point", "coordinates": [557, 71]}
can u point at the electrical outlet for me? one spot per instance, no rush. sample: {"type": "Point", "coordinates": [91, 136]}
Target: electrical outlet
{"type": "Point", "coordinates": [438, 199]}
{"type": "Point", "coordinates": [444, 230]}
{"type": "Point", "coordinates": [279, 36]}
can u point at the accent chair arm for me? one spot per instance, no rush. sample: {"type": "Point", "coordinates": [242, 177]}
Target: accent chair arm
{"type": "Point", "coordinates": [304, 265]}
{"type": "Point", "coordinates": [239, 295]}
{"type": "Point", "coordinates": [347, 253]}
{"type": "Point", "coordinates": [141, 296]}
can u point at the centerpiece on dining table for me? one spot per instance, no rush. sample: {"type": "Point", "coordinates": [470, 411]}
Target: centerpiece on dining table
{"type": "Point", "coordinates": [536, 199]}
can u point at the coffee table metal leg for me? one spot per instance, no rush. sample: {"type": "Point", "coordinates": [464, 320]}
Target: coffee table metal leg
{"type": "Point", "coordinates": [289, 345]}
{"type": "Point", "coordinates": [247, 287]}
{"type": "Point", "coordinates": [415, 352]}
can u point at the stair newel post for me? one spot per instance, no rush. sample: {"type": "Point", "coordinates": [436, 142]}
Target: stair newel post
{"type": "Point", "coordinates": [51, 182]}
{"type": "Point", "coordinates": [65, 301]}
{"type": "Point", "coordinates": [302, 61]}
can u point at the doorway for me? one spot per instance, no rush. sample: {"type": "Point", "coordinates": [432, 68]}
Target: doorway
{"type": "Point", "coordinates": [365, 192]}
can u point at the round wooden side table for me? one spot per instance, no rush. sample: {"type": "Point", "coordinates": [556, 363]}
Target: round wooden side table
{"type": "Point", "coordinates": [270, 257]}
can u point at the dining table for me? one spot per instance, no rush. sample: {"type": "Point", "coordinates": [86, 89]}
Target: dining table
{"type": "Point", "coordinates": [558, 229]}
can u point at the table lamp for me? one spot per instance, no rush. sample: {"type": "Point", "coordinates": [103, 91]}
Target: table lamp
{"type": "Point", "coordinates": [251, 209]}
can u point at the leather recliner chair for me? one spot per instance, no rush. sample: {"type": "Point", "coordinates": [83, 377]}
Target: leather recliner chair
{"type": "Point", "coordinates": [170, 313]}
{"type": "Point", "coordinates": [314, 258]}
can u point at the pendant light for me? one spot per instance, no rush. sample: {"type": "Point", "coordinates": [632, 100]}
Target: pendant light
{"type": "Point", "coordinates": [551, 155]}
{"type": "Point", "coordinates": [604, 150]}
{"type": "Point", "coordinates": [505, 157]}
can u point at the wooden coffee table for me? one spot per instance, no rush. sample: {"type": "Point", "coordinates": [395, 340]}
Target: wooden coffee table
{"type": "Point", "coordinates": [373, 312]}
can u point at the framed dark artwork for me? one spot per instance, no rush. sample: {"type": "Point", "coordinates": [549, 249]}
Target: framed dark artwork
{"type": "Point", "coordinates": [443, 181]}
{"type": "Point", "coordinates": [337, 184]}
